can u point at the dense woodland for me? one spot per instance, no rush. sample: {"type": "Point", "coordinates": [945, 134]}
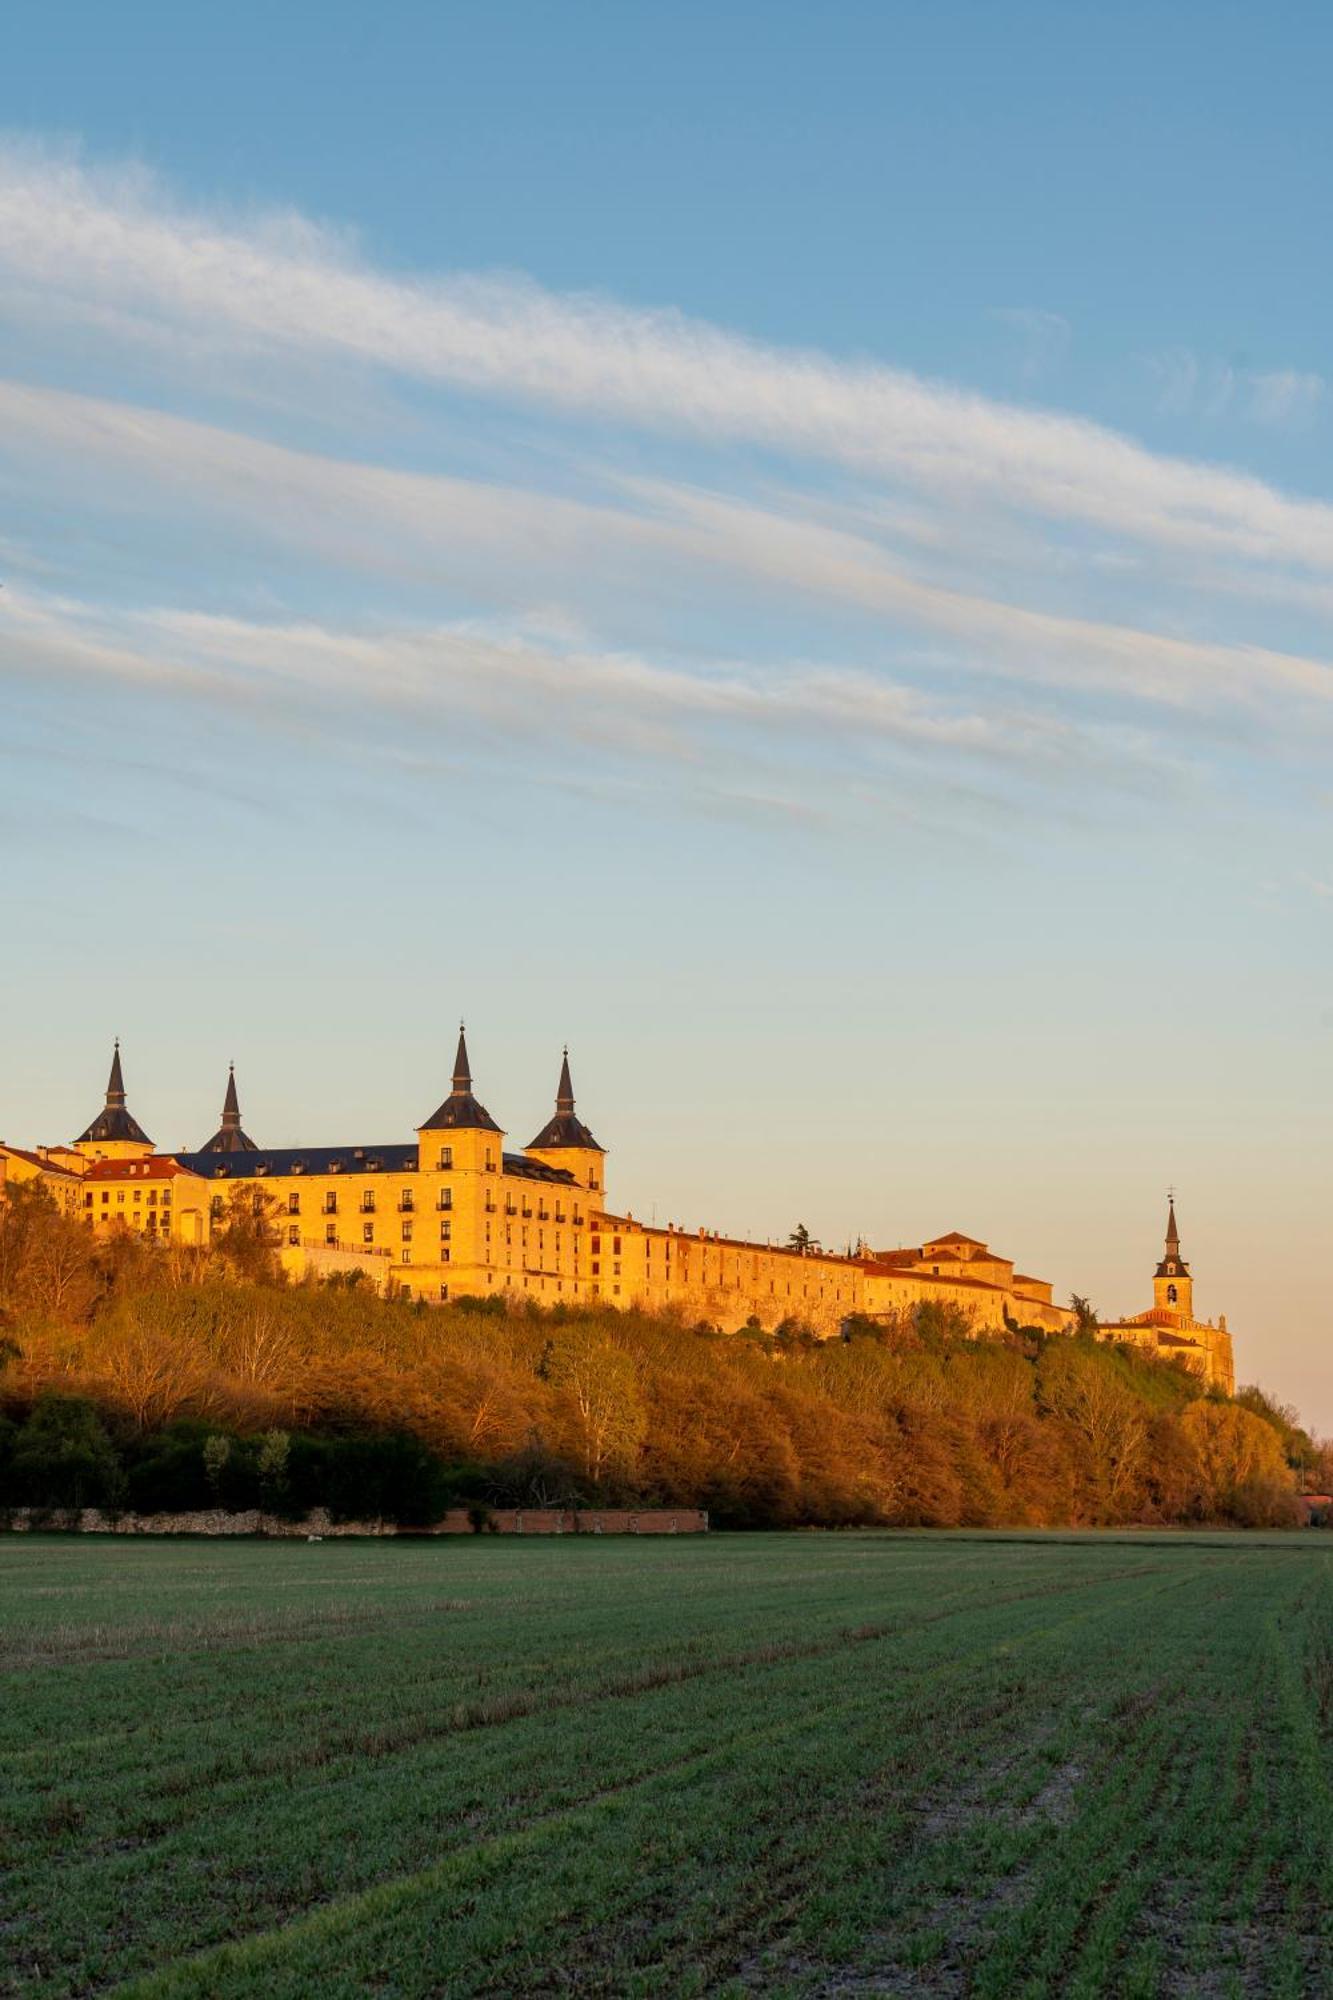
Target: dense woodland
{"type": "Point", "coordinates": [155, 1379]}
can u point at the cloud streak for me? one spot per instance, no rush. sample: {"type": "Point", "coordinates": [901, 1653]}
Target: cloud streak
{"type": "Point", "coordinates": [112, 250]}
{"type": "Point", "coordinates": [470, 681]}
{"type": "Point", "coordinates": [380, 518]}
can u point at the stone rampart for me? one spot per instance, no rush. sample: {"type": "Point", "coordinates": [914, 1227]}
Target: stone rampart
{"type": "Point", "coordinates": [458, 1521]}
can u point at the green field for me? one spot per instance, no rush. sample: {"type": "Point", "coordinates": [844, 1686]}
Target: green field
{"type": "Point", "coordinates": [779, 1764]}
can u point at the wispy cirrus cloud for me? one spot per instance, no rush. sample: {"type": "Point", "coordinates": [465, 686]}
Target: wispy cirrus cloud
{"type": "Point", "coordinates": [1043, 337]}
{"type": "Point", "coordinates": [380, 518]}
{"type": "Point", "coordinates": [800, 720]}
{"type": "Point", "coordinates": [1190, 385]}
{"type": "Point", "coordinates": [112, 249]}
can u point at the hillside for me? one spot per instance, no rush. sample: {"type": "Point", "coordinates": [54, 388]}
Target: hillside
{"type": "Point", "coordinates": [171, 1380]}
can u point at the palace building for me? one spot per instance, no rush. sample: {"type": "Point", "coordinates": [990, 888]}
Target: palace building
{"type": "Point", "coordinates": [1169, 1329]}
{"type": "Point", "coordinates": [455, 1213]}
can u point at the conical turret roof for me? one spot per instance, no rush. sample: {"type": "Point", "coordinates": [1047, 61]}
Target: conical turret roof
{"type": "Point", "coordinates": [1173, 1264]}
{"type": "Point", "coordinates": [229, 1138]}
{"type": "Point", "coordinates": [564, 1130]}
{"type": "Point", "coordinates": [114, 1121]}
{"type": "Point", "coordinates": [460, 1110]}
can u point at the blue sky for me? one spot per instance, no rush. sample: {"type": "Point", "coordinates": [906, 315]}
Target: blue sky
{"type": "Point", "coordinates": [791, 548]}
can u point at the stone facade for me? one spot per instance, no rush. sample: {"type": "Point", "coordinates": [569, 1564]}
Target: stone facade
{"type": "Point", "coordinates": [455, 1212]}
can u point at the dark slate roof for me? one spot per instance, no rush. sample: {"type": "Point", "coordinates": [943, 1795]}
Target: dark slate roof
{"type": "Point", "coordinates": [229, 1138]}
{"type": "Point", "coordinates": [565, 1129]}
{"type": "Point", "coordinates": [114, 1121]}
{"type": "Point", "coordinates": [460, 1111]}
{"type": "Point", "coordinates": [524, 1169]}
{"type": "Point", "coordinates": [395, 1159]}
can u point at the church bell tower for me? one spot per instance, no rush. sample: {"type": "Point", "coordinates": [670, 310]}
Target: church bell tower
{"type": "Point", "coordinates": [1173, 1287]}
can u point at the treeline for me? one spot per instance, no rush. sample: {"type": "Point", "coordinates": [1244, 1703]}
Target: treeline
{"type": "Point", "coordinates": [167, 1380]}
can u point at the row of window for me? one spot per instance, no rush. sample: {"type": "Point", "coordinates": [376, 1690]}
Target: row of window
{"type": "Point", "coordinates": [138, 1197]}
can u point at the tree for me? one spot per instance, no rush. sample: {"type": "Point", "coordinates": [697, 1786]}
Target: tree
{"type": "Point", "coordinates": [1078, 1384]}
{"type": "Point", "coordinates": [1242, 1468]}
{"type": "Point", "coordinates": [48, 1263]}
{"type": "Point", "coordinates": [801, 1239]}
{"type": "Point", "coordinates": [600, 1393]}
{"type": "Point", "coordinates": [1085, 1314]}
{"type": "Point", "coordinates": [64, 1456]}
{"type": "Point", "coordinates": [248, 1240]}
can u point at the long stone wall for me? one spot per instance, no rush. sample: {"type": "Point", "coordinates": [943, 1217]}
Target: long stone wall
{"type": "Point", "coordinates": [318, 1525]}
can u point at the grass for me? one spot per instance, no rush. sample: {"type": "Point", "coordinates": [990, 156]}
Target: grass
{"type": "Point", "coordinates": [791, 1765]}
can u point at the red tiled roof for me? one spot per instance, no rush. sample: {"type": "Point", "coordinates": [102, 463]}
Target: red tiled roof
{"type": "Point", "coordinates": [36, 1160]}
{"type": "Point", "coordinates": [160, 1167]}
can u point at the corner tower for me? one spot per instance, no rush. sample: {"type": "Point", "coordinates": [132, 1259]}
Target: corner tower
{"type": "Point", "coordinates": [462, 1134]}
{"type": "Point", "coordinates": [229, 1138]}
{"type": "Point", "coordinates": [566, 1141]}
{"type": "Point", "coordinates": [1173, 1287]}
{"type": "Point", "coordinates": [114, 1134]}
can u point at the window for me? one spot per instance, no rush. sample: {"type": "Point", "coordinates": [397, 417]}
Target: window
{"type": "Point", "coordinates": [444, 1292]}
{"type": "Point", "coordinates": [166, 1194]}
{"type": "Point", "coordinates": [405, 1202]}
{"type": "Point", "coordinates": [138, 1194]}
{"type": "Point", "coordinates": [330, 1232]}
{"type": "Point", "coordinates": [152, 1197]}
{"type": "Point", "coordinates": [407, 1256]}
{"type": "Point", "coordinates": [293, 1234]}
{"type": "Point", "coordinates": [596, 1268]}
{"type": "Point", "coordinates": [446, 1228]}
{"type": "Point", "coordinates": [293, 1204]}
{"type": "Point", "coordinates": [615, 1245]}
{"type": "Point", "coordinates": [330, 1203]}
{"type": "Point", "coordinates": [214, 1206]}
{"type": "Point", "coordinates": [490, 1161]}
{"type": "Point", "coordinates": [407, 1232]}
{"type": "Point", "coordinates": [444, 1253]}
{"type": "Point", "coordinates": [367, 1232]}
{"type": "Point", "coordinates": [445, 1199]}
{"type": "Point", "coordinates": [368, 1201]}
{"type": "Point", "coordinates": [1171, 1295]}
{"type": "Point", "coordinates": [446, 1159]}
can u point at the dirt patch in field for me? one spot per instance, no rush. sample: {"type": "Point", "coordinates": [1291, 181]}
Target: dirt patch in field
{"type": "Point", "coordinates": [1235, 1956]}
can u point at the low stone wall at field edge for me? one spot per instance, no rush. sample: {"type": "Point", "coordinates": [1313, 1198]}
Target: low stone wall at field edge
{"type": "Point", "coordinates": [500, 1521]}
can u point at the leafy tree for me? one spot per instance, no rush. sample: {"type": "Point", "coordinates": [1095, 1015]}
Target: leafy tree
{"type": "Point", "coordinates": [64, 1457]}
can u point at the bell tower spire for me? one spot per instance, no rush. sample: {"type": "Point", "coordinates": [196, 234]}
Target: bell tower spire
{"type": "Point", "coordinates": [1173, 1287]}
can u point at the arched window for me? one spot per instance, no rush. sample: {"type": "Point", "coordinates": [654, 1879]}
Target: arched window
{"type": "Point", "coordinates": [1171, 1295]}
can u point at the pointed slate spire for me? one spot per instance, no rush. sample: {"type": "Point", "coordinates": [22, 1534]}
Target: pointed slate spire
{"type": "Point", "coordinates": [229, 1138]}
{"type": "Point", "coordinates": [564, 1130]}
{"type": "Point", "coordinates": [114, 1122]}
{"type": "Point", "coordinates": [1173, 1264]}
{"type": "Point", "coordinates": [460, 1111]}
